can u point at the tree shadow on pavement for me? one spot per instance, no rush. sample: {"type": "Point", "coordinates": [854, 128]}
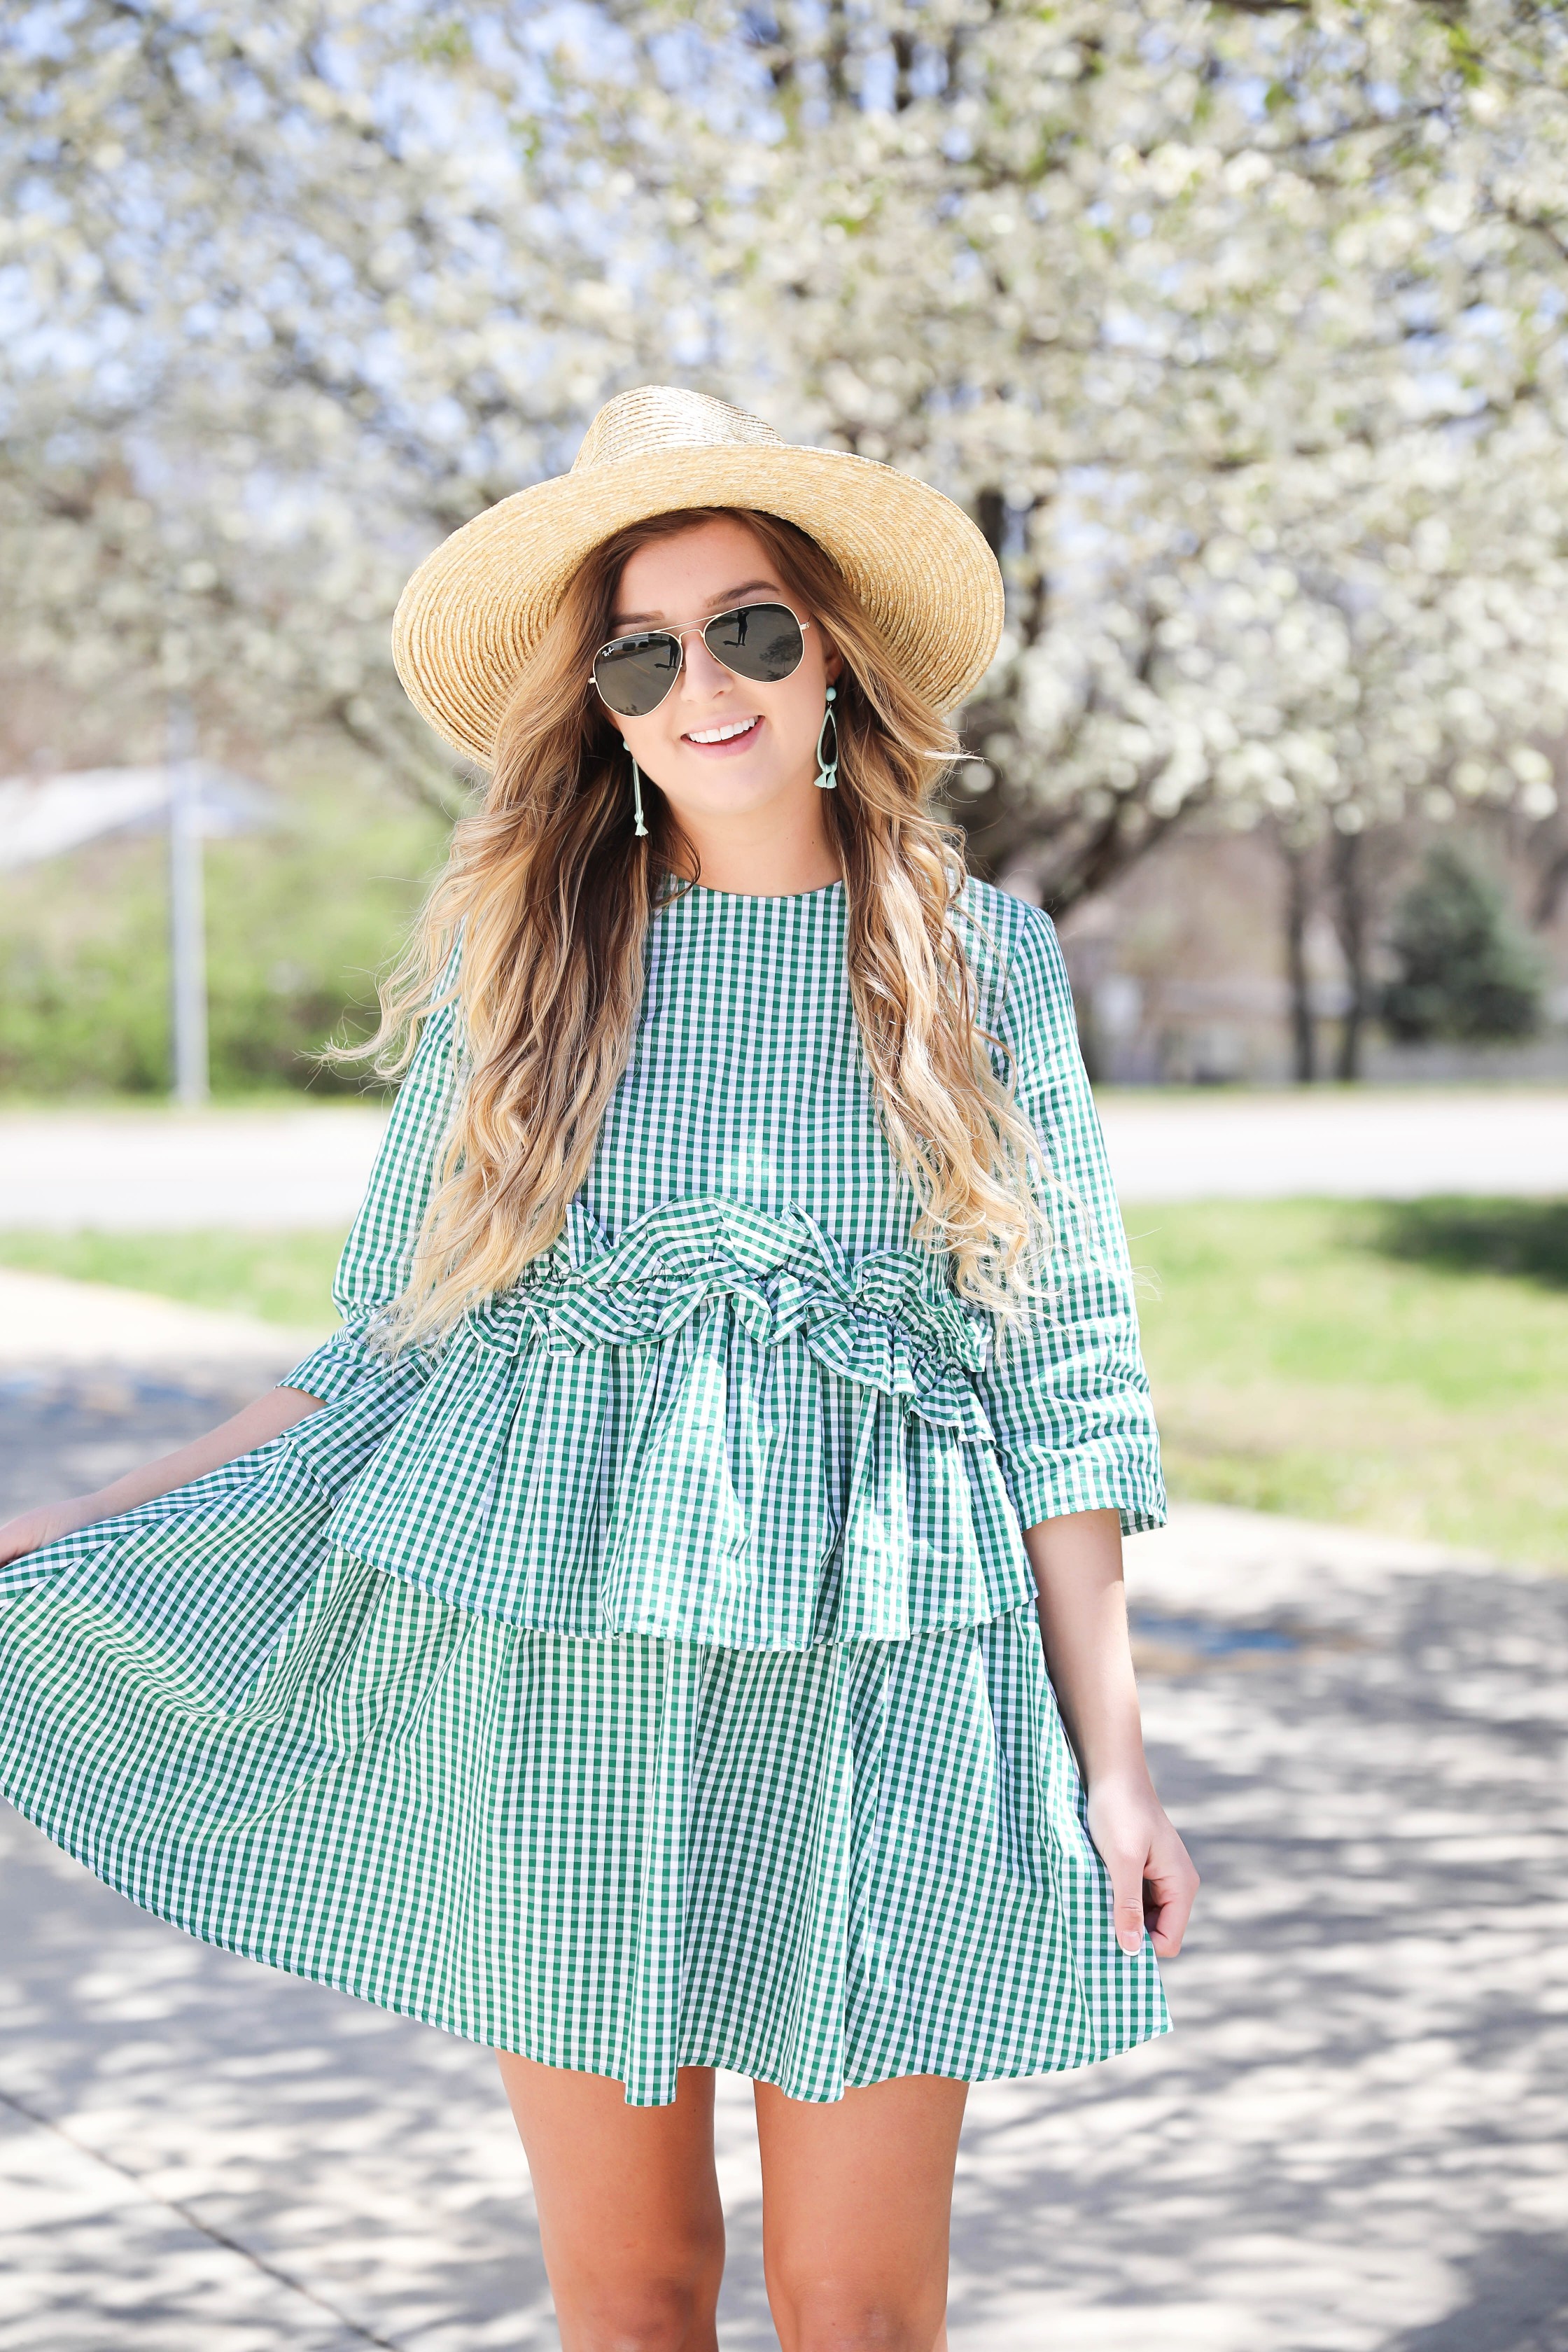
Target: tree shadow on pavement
{"type": "Point", "coordinates": [1518, 2302]}
{"type": "Point", "coordinates": [1344, 2140]}
{"type": "Point", "coordinates": [1528, 1239]}
{"type": "Point", "coordinates": [336, 2160]}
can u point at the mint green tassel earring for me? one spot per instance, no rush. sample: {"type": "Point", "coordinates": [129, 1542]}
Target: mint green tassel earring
{"type": "Point", "coordinates": [636, 798]}
{"type": "Point", "coordinates": [827, 770]}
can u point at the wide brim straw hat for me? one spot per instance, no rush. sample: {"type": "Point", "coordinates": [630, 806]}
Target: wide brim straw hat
{"type": "Point", "coordinates": [475, 610]}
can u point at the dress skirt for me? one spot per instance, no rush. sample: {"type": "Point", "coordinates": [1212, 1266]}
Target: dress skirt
{"type": "Point", "coordinates": [820, 1866]}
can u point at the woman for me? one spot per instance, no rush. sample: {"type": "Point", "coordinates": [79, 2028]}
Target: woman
{"type": "Point", "coordinates": [622, 1643]}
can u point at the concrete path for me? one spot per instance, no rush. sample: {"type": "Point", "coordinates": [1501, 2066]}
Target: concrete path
{"type": "Point", "coordinates": [170, 1171]}
{"type": "Point", "coordinates": [131, 1170]}
{"type": "Point", "coordinates": [1351, 2143]}
{"type": "Point", "coordinates": [45, 1320]}
{"type": "Point", "coordinates": [1345, 1144]}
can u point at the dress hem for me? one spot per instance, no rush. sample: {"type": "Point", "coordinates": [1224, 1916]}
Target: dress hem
{"type": "Point", "coordinates": [721, 2054]}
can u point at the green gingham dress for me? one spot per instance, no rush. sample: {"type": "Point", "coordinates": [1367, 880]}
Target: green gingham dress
{"type": "Point", "coordinates": [648, 1675]}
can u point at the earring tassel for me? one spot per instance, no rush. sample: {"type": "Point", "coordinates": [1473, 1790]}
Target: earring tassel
{"type": "Point", "coordinates": [637, 799]}
{"type": "Point", "coordinates": [826, 775]}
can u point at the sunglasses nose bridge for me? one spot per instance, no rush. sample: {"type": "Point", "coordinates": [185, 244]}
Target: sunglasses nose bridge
{"type": "Point", "coordinates": [696, 630]}
{"type": "Point", "coordinates": [680, 675]}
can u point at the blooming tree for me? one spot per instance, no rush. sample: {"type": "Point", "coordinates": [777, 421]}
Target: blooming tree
{"type": "Point", "coordinates": [1241, 331]}
{"type": "Point", "coordinates": [1239, 328]}
{"type": "Point", "coordinates": [287, 294]}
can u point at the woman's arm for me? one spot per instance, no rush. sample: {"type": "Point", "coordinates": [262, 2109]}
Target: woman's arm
{"type": "Point", "coordinates": [1065, 1392]}
{"type": "Point", "coordinates": [278, 1409]}
{"type": "Point", "coordinates": [369, 1388]}
{"type": "Point", "coordinates": [1076, 1560]}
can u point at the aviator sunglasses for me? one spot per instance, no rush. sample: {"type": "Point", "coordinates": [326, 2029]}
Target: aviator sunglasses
{"type": "Point", "coordinates": [762, 642]}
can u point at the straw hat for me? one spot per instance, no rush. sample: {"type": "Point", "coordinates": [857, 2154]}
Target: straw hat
{"type": "Point", "coordinates": [475, 609]}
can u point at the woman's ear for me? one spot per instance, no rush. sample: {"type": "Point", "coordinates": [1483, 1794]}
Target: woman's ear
{"type": "Point", "coordinates": [832, 659]}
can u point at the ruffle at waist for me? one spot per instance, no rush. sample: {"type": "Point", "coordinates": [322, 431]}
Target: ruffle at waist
{"type": "Point", "coordinates": [886, 1321]}
{"type": "Point", "coordinates": [718, 1428]}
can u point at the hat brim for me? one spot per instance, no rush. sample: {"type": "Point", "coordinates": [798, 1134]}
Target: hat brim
{"type": "Point", "coordinates": [474, 611]}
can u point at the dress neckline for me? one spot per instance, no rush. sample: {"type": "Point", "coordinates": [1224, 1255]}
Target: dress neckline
{"type": "Point", "coordinates": [754, 898]}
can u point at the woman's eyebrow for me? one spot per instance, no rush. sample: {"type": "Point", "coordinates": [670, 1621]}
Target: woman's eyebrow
{"type": "Point", "coordinates": [725, 598]}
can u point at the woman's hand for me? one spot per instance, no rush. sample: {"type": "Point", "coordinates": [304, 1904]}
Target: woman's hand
{"type": "Point", "coordinates": [1153, 1880]}
{"type": "Point", "coordinates": [268, 1416]}
{"type": "Point", "coordinates": [31, 1530]}
{"type": "Point", "coordinates": [1083, 1622]}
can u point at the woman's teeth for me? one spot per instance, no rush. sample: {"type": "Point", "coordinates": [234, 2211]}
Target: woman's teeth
{"type": "Point", "coordinates": [720, 734]}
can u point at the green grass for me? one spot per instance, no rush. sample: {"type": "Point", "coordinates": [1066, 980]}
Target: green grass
{"type": "Point", "coordinates": [300, 918]}
{"type": "Point", "coordinates": [285, 1278]}
{"type": "Point", "coordinates": [1401, 1366]}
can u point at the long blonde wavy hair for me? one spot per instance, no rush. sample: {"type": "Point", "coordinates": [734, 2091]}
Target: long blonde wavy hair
{"type": "Point", "coordinates": [546, 897]}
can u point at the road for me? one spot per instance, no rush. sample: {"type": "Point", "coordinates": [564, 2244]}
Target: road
{"type": "Point", "coordinates": [1352, 2142]}
{"type": "Point", "coordinates": [159, 1171]}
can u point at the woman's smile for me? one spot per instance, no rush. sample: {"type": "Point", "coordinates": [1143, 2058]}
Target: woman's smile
{"type": "Point", "coordinates": [728, 735]}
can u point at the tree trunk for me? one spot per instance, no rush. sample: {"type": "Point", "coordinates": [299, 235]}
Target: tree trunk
{"type": "Point", "coordinates": [1550, 888]}
{"type": "Point", "coordinates": [1351, 924]}
{"type": "Point", "coordinates": [1298, 908]}
{"type": "Point", "coordinates": [991, 514]}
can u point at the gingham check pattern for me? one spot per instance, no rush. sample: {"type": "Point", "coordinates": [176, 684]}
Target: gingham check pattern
{"type": "Point", "coordinates": [651, 1677]}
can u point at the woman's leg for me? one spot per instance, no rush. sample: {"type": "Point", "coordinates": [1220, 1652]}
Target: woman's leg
{"type": "Point", "coordinates": [856, 2199]}
{"type": "Point", "coordinates": [628, 2207]}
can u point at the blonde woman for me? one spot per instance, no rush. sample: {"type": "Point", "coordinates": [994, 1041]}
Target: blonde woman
{"type": "Point", "coordinates": [676, 1622]}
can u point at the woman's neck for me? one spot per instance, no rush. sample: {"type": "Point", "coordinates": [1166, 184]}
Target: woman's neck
{"type": "Point", "coordinates": [768, 863]}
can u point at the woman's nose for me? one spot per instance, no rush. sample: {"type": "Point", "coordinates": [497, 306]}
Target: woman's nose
{"type": "Point", "coordinates": [700, 675]}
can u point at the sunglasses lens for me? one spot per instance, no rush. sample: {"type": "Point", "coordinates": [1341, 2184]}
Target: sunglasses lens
{"type": "Point", "coordinates": [635, 673]}
{"type": "Point", "coordinates": [762, 642]}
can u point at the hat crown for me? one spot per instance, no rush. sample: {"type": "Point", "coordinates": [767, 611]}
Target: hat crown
{"type": "Point", "coordinates": [659, 416]}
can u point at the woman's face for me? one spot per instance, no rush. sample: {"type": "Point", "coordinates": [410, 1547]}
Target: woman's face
{"type": "Point", "coordinates": [719, 746]}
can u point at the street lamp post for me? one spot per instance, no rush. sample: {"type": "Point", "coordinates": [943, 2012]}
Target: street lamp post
{"type": "Point", "coordinates": [46, 816]}
{"type": "Point", "coordinates": [187, 914]}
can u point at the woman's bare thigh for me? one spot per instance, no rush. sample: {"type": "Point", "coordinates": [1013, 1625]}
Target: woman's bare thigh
{"type": "Point", "coordinates": [629, 2215]}
{"type": "Point", "coordinates": [856, 2207]}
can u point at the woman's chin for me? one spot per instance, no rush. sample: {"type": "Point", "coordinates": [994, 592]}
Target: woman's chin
{"type": "Point", "coordinates": [730, 792]}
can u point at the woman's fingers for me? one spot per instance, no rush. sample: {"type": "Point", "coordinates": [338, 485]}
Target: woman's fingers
{"type": "Point", "coordinates": [21, 1535]}
{"type": "Point", "coordinates": [1127, 1882]}
{"type": "Point", "coordinates": [1170, 1888]}
{"type": "Point", "coordinates": [30, 1530]}
{"type": "Point", "coordinates": [1152, 1882]}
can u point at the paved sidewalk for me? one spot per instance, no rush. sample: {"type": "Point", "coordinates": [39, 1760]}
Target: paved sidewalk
{"type": "Point", "coordinates": [45, 1319]}
{"type": "Point", "coordinates": [1339, 1143]}
{"type": "Point", "coordinates": [1353, 2142]}
{"type": "Point", "coordinates": [173, 1170]}
{"type": "Point", "coordinates": [134, 1171]}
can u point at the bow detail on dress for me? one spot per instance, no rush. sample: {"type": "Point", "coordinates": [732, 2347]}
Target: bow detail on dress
{"type": "Point", "coordinates": [717, 1428]}
{"type": "Point", "coordinates": [888, 1321]}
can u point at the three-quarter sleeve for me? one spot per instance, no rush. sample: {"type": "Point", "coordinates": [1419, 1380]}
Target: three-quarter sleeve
{"type": "Point", "coordinates": [1067, 1391]}
{"type": "Point", "coordinates": [365, 1390]}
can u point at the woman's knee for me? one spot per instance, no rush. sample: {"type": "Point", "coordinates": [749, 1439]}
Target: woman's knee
{"type": "Point", "coordinates": [645, 2298]}
{"type": "Point", "coordinates": [628, 2315]}
{"type": "Point", "coordinates": [827, 2317]}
